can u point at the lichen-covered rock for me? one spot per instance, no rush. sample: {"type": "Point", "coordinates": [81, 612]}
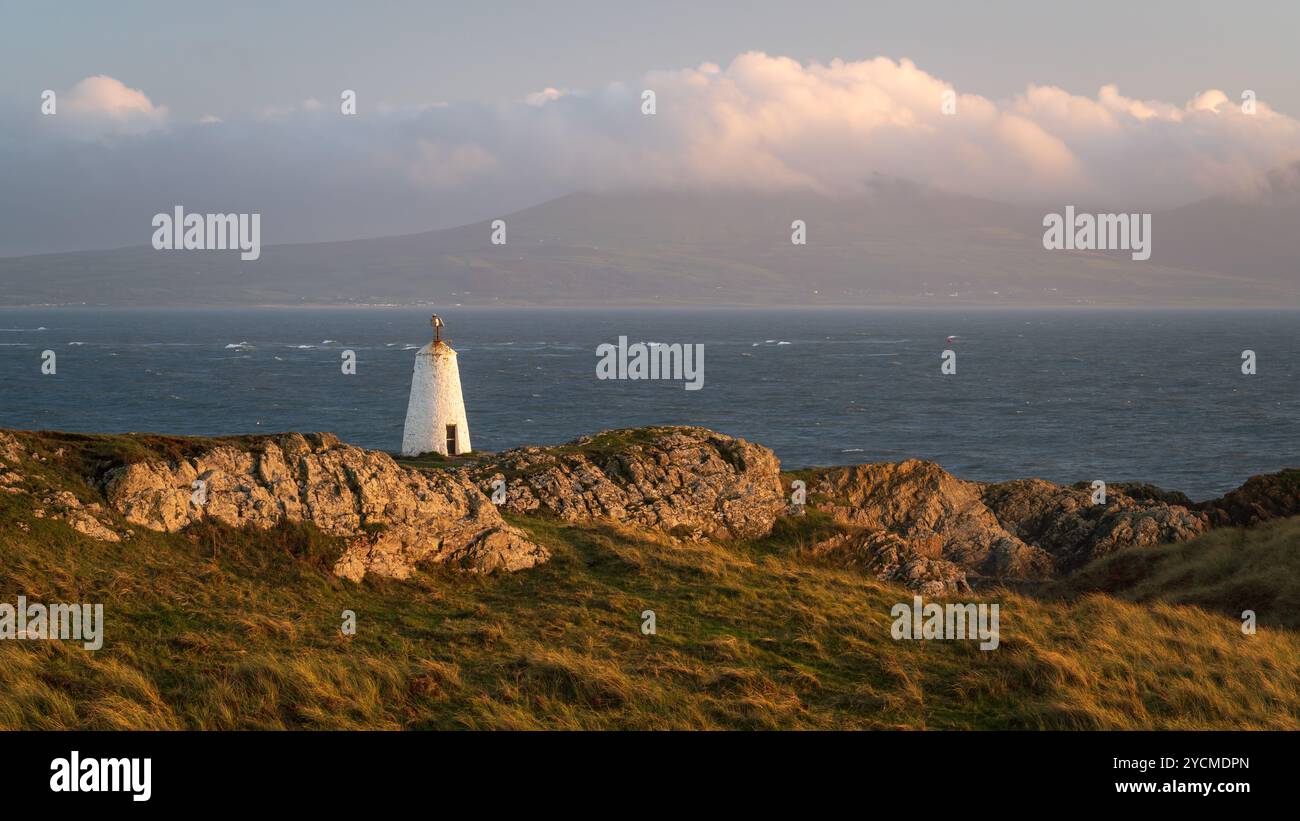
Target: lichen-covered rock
{"type": "Point", "coordinates": [10, 481]}
{"type": "Point", "coordinates": [11, 451]}
{"type": "Point", "coordinates": [87, 519]}
{"type": "Point", "coordinates": [1065, 522]}
{"type": "Point", "coordinates": [942, 516]}
{"type": "Point", "coordinates": [394, 517]}
{"type": "Point", "coordinates": [11, 458]}
{"type": "Point", "coordinates": [1272, 496]}
{"type": "Point", "coordinates": [1026, 530]}
{"type": "Point", "coordinates": [909, 522]}
{"type": "Point", "coordinates": [890, 557]}
{"type": "Point", "coordinates": [687, 481]}
{"type": "Point", "coordinates": [1143, 492]}
{"type": "Point", "coordinates": [467, 547]}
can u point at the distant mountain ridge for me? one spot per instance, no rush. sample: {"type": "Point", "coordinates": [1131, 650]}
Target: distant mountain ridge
{"type": "Point", "coordinates": [901, 244]}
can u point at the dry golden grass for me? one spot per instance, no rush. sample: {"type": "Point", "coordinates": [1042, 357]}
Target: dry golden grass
{"type": "Point", "coordinates": [1228, 570]}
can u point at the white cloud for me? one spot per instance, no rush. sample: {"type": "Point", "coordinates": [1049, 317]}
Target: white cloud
{"type": "Point", "coordinates": [759, 122]}
{"type": "Point", "coordinates": [767, 122]}
{"type": "Point", "coordinates": [102, 105]}
{"type": "Point", "coordinates": [541, 98]}
{"type": "Point", "coordinates": [771, 122]}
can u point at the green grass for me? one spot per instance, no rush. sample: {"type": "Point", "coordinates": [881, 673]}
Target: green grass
{"type": "Point", "coordinates": [438, 461]}
{"type": "Point", "coordinates": [609, 443]}
{"type": "Point", "coordinates": [217, 628]}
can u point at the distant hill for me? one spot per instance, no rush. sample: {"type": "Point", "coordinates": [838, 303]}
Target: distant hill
{"type": "Point", "coordinates": [1255, 238]}
{"type": "Point", "coordinates": [900, 245]}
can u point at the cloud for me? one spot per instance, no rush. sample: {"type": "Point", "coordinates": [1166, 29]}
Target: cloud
{"type": "Point", "coordinates": [760, 122]}
{"type": "Point", "coordinates": [541, 98]}
{"type": "Point", "coordinates": [102, 106]}
{"type": "Point", "coordinates": [772, 122]}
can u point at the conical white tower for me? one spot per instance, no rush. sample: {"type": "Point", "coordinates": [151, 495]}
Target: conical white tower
{"type": "Point", "coordinates": [435, 416]}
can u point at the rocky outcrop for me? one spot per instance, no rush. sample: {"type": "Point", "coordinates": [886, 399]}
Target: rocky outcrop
{"type": "Point", "coordinates": [908, 522]}
{"type": "Point", "coordinates": [956, 532]}
{"type": "Point", "coordinates": [890, 557]}
{"type": "Point", "coordinates": [11, 450]}
{"type": "Point", "coordinates": [1143, 492]}
{"type": "Point", "coordinates": [88, 518]}
{"type": "Point", "coordinates": [1065, 522]}
{"type": "Point", "coordinates": [690, 482]}
{"type": "Point", "coordinates": [1261, 498]}
{"type": "Point", "coordinates": [939, 517]}
{"type": "Point", "coordinates": [393, 517]}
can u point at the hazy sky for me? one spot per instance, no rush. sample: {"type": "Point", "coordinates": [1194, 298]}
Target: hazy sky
{"type": "Point", "coordinates": [220, 58]}
{"type": "Point", "coordinates": [471, 110]}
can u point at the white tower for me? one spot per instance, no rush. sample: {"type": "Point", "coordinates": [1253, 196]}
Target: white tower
{"type": "Point", "coordinates": [435, 416]}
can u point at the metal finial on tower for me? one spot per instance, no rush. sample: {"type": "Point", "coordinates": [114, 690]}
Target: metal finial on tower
{"type": "Point", "coordinates": [436, 322]}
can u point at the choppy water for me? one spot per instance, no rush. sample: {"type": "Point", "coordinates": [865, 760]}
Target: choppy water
{"type": "Point", "coordinates": [1156, 396]}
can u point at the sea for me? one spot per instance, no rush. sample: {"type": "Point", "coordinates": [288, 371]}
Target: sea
{"type": "Point", "coordinates": [1065, 395]}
